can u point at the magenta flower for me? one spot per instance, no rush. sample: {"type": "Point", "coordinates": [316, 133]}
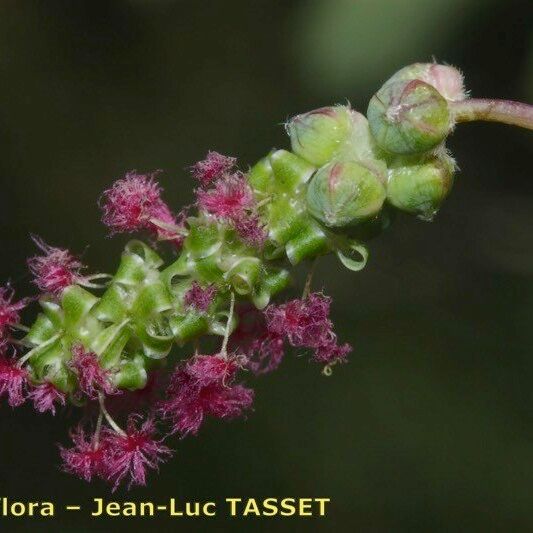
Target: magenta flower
{"type": "Point", "coordinates": [129, 456]}
{"type": "Point", "coordinates": [134, 203]}
{"type": "Point", "coordinates": [229, 198]}
{"type": "Point", "coordinates": [250, 230]}
{"type": "Point", "coordinates": [305, 323]}
{"type": "Point", "coordinates": [200, 298]}
{"type": "Point", "coordinates": [203, 387]}
{"type": "Point", "coordinates": [92, 378]}
{"type": "Point", "coordinates": [86, 458]}
{"type": "Point", "coordinates": [207, 369]}
{"type": "Point", "coordinates": [9, 310]}
{"type": "Point", "coordinates": [56, 270]}
{"type": "Point", "coordinates": [264, 350]}
{"type": "Point", "coordinates": [332, 352]}
{"type": "Point", "coordinates": [213, 167]}
{"type": "Point", "coordinates": [45, 396]}
{"type": "Point", "coordinates": [13, 381]}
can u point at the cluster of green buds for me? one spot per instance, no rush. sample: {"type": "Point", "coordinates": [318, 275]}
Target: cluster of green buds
{"type": "Point", "coordinates": [336, 189]}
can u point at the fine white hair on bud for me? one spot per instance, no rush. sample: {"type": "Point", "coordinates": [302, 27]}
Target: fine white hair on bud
{"type": "Point", "coordinates": [448, 80]}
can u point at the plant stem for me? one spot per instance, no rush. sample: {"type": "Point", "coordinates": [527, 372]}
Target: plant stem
{"type": "Point", "coordinates": [110, 420]}
{"type": "Point", "coordinates": [309, 279]}
{"type": "Point", "coordinates": [224, 349]}
{"type": "Point", "coordinates": [504, 111]}
{"type": "Point", "coordinates": [98, 429]}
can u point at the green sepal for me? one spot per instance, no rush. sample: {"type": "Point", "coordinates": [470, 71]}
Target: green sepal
{"type": "Point", "coordinates": [112, 305]}
{"type": "Point", "coordinates": [152, 299]}
{"type": "Point", "coordinates": [243, 275]}
{"type": "Point", "coordinates": [204, 239]}
{"type": "Point", "coordinates": [131, 374]}
{"type": "Point", "coordinates": [48, 356]}
{"type": "Point", "coordinates": [188, 326]}
{"type": "Point", "coordinates": [131, 271]}
{"type": "Point", "coordinates": [41, 331]}
{"type": "Point", "coordinates": [289, 170]}
{"type": "Point", "coordinates": [109, 344]}
{"type": "Point", "coordinates": [346, 253]}
{"type": "Point", "coordinates": [155, 345]}
{"type": "Point", "coordinates": [62, 378]}
{"type": "Point", "coordinates": [286, 219]}
{"type": "Point", "coordinates": [261, 176]}
{"type": "Point", "coordinates": [218, 327]}
{"type": "Point", "coordinates": [271, 283]}
{"type": "Point", "coordinates": [53, 311]}
{"type": "Point", "coordinates": [208, 270]}
{"type": "Point", "coordinates": [183, 266]}
{"type": "Point", "coordinates": [76, 303]}
{"type": "Point", "coordinates": [310, 242]}
{"type": "Point", "coordinates": [150, 258]}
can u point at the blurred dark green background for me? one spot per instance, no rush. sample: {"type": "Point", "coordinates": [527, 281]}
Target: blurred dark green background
{"type": "Point", "coordinates": [430, 426]}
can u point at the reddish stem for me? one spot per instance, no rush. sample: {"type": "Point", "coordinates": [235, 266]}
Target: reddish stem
{"type": "Point", "coordinates": [504, 111]}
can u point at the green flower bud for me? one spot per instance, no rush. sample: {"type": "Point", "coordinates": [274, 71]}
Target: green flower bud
{"type": "Point", "coordinates": [447, 80]}
{"type": "Point", "coordinates": [318, 135]}
{"type": "Point", "coordinates": [409, 117]}
{"type": "Point", "coordinates": [420, 188]}
{"type": "Point", "coordinates": [345, 193]}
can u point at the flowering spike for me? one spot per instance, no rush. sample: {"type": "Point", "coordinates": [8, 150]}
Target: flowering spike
{"type": "Point", "coordinates": [213, 167]}
{"type": "Point", "coordinates": [45, 396]}
{"type": "Point", "coordinates": [129, 456]}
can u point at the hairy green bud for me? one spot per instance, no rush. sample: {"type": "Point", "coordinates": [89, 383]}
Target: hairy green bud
{"type": "Point", "coordinates": [319, 135]}
{"type": "Point", "coordinates": [420, 188]}
{"type": "Point", "coordinates": [409, 117]}
{"type": "Point", "coordinates": [446, 79]}
{"type": "Point", "coordinates": [345, 193]}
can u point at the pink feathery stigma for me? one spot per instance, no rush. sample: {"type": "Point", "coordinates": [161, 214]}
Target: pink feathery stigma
{"type": "Point", "coordinates": [92, 378]}
{"type": "Point", "coordinates": [250, 230]}
{"type": "Point", "coordinates": [200, 298]}
{"type": "Point", "coordinates": [168, 227]}
{"type": "Point", "coordinates": [56, 270]}
{"type": "Point", "coordinates": [128, 457]}
{"type": "Point", "coordinates": [305, 323]}
{"type": "Point", "coordinates": [9, 310]}
{"type": "Point", "coordinates": [203, 387]}
{"type": "Point", "coordinates": [263, 349]}
{"type": "Point", "coordinates": [229, 198]}
{"type": "Point", "coordinates": [86, 458]}
{"type": "Point", "coordinates": [13, 381]}
{"type": "Point", "coordinates": [213, 167]}
{"type": "Point", "coordinates": [134, 203]}
{"type": "Point", "coordinates": [45, 396]}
